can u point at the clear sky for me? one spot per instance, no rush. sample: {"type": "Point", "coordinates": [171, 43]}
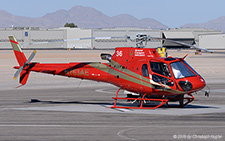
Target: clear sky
{"type": "Point", "coordinates": [173, 13]}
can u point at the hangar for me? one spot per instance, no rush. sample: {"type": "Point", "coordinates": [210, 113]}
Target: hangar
{"type": "Point", "coordinates": [212, 41]}
{"type": "Point", "coordinates": [186, 35]}
{"type": "Point", "coordinates": [26, 35]}
{"type": "Point", "coordinates": [64, 37]}
{"type": "Point", "coordinates": [182, 36]}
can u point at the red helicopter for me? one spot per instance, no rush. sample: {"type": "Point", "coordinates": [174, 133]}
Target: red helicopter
{"type": "Point", "coordinates": [147, 77]}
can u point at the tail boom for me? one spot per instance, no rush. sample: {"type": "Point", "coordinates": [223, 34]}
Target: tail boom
{"type": "Point", "coordinates": [90, 70]}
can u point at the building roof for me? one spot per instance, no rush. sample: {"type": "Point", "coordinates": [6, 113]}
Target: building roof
{"type": "Point", "coordinates": [178, 35]}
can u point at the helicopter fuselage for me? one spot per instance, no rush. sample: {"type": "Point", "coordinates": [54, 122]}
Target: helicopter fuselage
{"type": "Point", "coordinates": [138, 70]}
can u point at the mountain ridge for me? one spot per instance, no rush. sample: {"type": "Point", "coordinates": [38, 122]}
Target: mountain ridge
{"type": "Point", "coordinates": [84, 17]}
{"type": "Point", "coordinates": [87, 17]}
{"type": "Point", "coordinates": [217, 24]}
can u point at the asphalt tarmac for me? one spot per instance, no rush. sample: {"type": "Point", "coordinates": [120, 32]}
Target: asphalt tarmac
{"type": "Point", "coordinates": [73, 109]}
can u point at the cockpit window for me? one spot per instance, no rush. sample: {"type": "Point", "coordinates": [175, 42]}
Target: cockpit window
{"type": "Point", "coordinates": [160, 68]}
{"type": "Point", "coordinates": [190, 67]}
{"type": "Point", "coordinates": [180, 70]}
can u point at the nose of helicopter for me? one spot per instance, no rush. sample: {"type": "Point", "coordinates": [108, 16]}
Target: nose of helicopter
{"type": "Point", "coordinates": [192, 84]}
{"type": "Point", "coordinates": [199, 84]}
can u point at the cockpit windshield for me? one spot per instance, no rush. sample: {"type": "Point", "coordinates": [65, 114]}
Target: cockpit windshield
{"type": "Point", "coordinates": [180, 70]}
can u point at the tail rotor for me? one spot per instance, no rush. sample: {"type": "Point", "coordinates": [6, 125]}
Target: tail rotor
{"type": "Point", "coordinates": [25, 64]}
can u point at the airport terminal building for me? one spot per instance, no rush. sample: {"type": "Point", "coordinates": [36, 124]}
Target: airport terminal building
{"type": "Point", "coordinates": [66, 38]}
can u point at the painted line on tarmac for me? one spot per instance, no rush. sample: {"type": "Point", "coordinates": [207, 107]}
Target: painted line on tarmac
{"type": "Point", "coordinates": [121, 133]}
{"type": "Point", "coordinates": [112, 126]}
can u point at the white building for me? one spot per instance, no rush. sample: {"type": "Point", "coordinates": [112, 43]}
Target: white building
{"type": "Point", "coordinates": [213, 41]}
{"type": "Point", "coordinates": [65, 38]}
{"type": "Point", "coordinates": [122, 32]}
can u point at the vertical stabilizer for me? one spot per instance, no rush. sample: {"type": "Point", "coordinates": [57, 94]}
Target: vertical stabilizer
{"type": "Point", "coordinates": [17, 51]}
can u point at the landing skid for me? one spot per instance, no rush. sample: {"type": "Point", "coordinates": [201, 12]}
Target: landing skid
{"type": "Point", "coordinates": [143, 99]}
{"type": "Point", "coordinates": [189, 100]}
{"type": "Point", "coordinates": [163, 101]}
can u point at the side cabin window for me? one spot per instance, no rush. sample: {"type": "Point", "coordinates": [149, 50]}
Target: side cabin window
{"type": "Point", "coordinates": [160, 68]}
{"type": "Point", "coordinates": [145, 70]}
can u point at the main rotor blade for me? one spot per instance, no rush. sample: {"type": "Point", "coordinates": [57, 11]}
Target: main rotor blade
{"type": "Point", "coordinates": [18, 72]}
{"type": "Point", "coordinates": [77, 39]}
{"type": "Point", "coordinates": [188, 45]}
{"type": "Point", "coordinates": [181, 43]}
{"type": "Point", "coordinates": [31, 56]}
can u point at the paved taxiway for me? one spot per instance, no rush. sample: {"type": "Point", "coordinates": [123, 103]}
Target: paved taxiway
{"type": "Point", "coordinates": [71, 109]}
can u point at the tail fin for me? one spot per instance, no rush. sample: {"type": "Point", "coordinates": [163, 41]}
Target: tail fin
{"type": "Point", "coordinates": [22, 60]}
{"type": "Point", "coordinates": [17, 51]}
{"type": "Point", "coordinates": [24, 77]}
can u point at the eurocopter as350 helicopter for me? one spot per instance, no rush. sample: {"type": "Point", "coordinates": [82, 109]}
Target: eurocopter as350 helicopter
{"type": "Point", "coordinates": [141, 71]}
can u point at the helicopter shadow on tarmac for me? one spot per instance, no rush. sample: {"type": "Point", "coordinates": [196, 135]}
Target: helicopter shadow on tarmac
{"type": "Point", "coordinates": [108, 104]}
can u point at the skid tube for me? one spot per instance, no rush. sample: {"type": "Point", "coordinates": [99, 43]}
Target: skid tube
{"type": "Point", "coordinates": [189, 100]}
{"type": "Point", "coordinates": [163, 101]}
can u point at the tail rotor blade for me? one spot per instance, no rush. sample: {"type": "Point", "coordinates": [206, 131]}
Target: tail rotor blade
{"type": "Point", "coordinates": [18, 72]}
{"type": "Point", "coordinates": [31, 56]}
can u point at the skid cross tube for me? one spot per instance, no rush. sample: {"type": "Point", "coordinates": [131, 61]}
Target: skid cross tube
{"type": "Point", "coordinates": [142, 99]}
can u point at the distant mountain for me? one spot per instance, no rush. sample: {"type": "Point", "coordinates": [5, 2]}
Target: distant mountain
{"type": "Point", "coordinates": [7, 19]}
{"type": "Point", "coordinates": [218, 24]}
{"type": "Point", "coordinates": [84, 17]}
{"type": "Point", "coordinates": [128, 20]}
